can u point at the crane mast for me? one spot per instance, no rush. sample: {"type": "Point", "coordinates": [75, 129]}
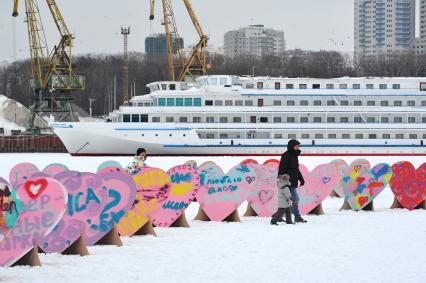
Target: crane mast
{"type": "Point", "coordinates": [195, 64]}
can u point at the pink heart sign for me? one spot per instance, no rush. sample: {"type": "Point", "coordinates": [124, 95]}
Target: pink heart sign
{"type": "Point", "coordinates": [10, 207]}
{"type": "Point", "coordinates": [408, 184]}
{"type": "Point", "coordinates": [318, 185]}
{"type": "Point", "coordinates": [54, 169]}
{"type": "Point", "coordinates": [153, 186]}
{"type": "Point", "coordinates": [44, 201]}
{"type": "Point", "coordinates": [96, 203]}
{"type": "Point", "coordinates": [344, 169]}
{"type": "Point", "coordinates": [185, 184]}
{"type": "Point", "coordinates": [263, 197]}
{"type": "Point", "coordinates": [221, 194]}
{"type": "Point", "coordinates": [363, 185]}
{"type": "Point", "coordinates": [110, 166]}
{"type": "Point", "coordinates": [20, 173]}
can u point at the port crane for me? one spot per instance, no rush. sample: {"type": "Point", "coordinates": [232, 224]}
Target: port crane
{"type": "Point", "coordinates": [191, 66]}
{"type": "Point", "coordinates": [52, 75]}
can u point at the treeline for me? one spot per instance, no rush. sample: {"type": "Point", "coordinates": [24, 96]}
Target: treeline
{"type": "Point", "coordinates": [102, 70]}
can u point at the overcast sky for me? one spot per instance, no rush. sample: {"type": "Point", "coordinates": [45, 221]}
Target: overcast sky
{"type": "Point", "coordinates": [308, 24]}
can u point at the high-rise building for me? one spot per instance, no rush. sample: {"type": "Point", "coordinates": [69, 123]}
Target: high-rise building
{"type": "Point", "coordinates": [254, 40]}
{"type": "Point", "coordinates": [419, 46]}
{"type": "Point", "coordinates": [384, 27]}
{"type": "Point", "coordinates": [156, 44]}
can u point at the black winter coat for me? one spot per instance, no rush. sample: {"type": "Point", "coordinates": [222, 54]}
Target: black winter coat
{"type": "Point", "coordinates": [289, 164]}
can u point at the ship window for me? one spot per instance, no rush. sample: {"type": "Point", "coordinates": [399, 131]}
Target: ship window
{"type": "Point", "coordinates": [179, 101]}
{"type": "Point", "coordinates": [411, 120]}
{"type": "Point", "coordinates": [210, 136]}
{"type": "Point", "coordinates": [170, 119]}
{"type": "Point", "coordinates": [344, 103]}
{"type": "Point", "coordinates": [170, 102]}
{"type": "Point", "coordinates": [277, 119]}
{"type": "Point", "coordinates": [423, 120]}
{"type": "Point", "coordinates": [303, 86]}
{"type": "Point", "coordinates": [223, 81]}
{"type": "Point", "coordinates": [332, 136]}
{"type": "Point", "coordinates": [228, 102]}
{"type": "Point", "coordinates": [344, 120]}
{"type": "Point", "coordinates": [249, 86]}
{"type": "Point", "coordinates": [135, 118]}
{"type": "Point", "coordinates": [277, 86]}
{"type": "Point", "coordinates": [317, 119]}
{"type": "Point", "coordinates": [188, 102]}
{"type": "Point", "coordinates": [161, 102]}
{"type": "Point", "coordinates": [183, 119]}
{"type": "Point", "coordinates": [371, 120]}
{"type": "Point", "coordinates": [163, 86]}
{"type": "Point", "coordinates": [292, 136]}
{"type": "Point", "coordinates": [223, 119]}
{"type": "Point", "coordinates": [197, 101]}
{"type": "Point", "coordinates": [384, 103]}
{"type": "Point", "coordinates": [291, 120]}
{"type": "Point", "coordinates": [331, 103]}
{"type": "Point", "coordinates": [289, 86]}
{"type": "Point", "coordinates": [357, 120]}
{"type": "Point", "coordinates": [239, 103]}
{"type": "Point", "coordinates": [236, 119]}
{"type": "Point", "coordinates": [196, 119]}
{"type": "Point", "coordinates": [396, 86]}
{"type": "Point", "coordinates": [319, 136]}
{"type": "Point", "coordinates": [249, 102]}
{"type": "Point", "coordinates": [278, 136]}
{"type": "Point", "coordinates": [156, 119]}
{"type": "Point", "coordinates": [423, 102]}
{"type": "Point", "coordinates": [422, 86]}
{"type": "Point", "coordinates": [397, 103]}
{"type": "Point", "coordinates": [371, 103]}
{"type": "Point", "coordinates": [305, 136]}
{"type": "Point", "coordinates": [372, 136]}
{"type": "Point", "coordinates": [209, 119]}
{"type": "Point", "coordinates": [357, 103]}
{"type": "Point", "coordinates": [290, 103]}
{"type": "Point", "coordinates": [397, 120]}
{"type": "Point", "coordinates": [412, 136]}
{"type": "Point", "coordinates": [383, 86]}
{"type": "Point", "coordinates": [386, 136]}
{"type": "Point", "coordinates": [399, 136]}
{"type": "Point", "coordinates": [208, 102]}
{"type": "Point", "coordinates": [411, 103]}
{"type": "Point", "coordinates": [126, 118]}
{"type": "Point", "coordinates": [304, 103]}
{"type": "Point", "coordinates": [263, 119]}
{"type": "Point", "coordinates": [277, 102]}
{"type": "Point", "coordinates": [218, 103]}
{"type": "Point", "coordinates": [304, 120]}
{"type": "Point", "coordinates": [343, 86]}
{"type": "Point", "coordinates": [359, 136]}
{"type": "Point", "coordinates": [331, 120]}
{"type": "Point", "coordinates": [213, 81]}
{"type": "Point", "coordinates": [223, 136]}
{"type": "Point", "coordinates": [316, 86]}
{"type": "Point", "coordinates": [140, 104]}
{"type": "Point", "coordinates": [172, 87]}
{"type": "Point", "coordinates": [356, 86]}
{"type": "Point", "coordinates": [346, 136]}
{"type": "Point", "coordinates": [370, 86]}
{"type": "Point", "coordinates": [384, 120]}
{"type": "Point", "coordinates": [260, 85]}
{"type": "Point", "coordinates": [144, 118]}
{"type": "Point", "coordinates": [317, 102]}
{"type": "Point", "coordinates": [330, 86]}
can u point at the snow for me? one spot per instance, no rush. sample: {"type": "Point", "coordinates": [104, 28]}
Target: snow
{"type": "Point", "coordinates": [381, 246]}
{"type": "Point", "coordinates": [6, 124]}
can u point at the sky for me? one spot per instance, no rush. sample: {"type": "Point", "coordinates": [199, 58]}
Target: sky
{"type": "Point", "coordinates": [308, 24]}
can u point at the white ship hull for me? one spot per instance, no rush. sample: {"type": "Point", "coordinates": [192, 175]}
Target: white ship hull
{"type": "Point", "coordinates": [117, 139]}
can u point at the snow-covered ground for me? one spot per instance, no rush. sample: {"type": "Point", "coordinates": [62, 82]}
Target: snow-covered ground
{"type": "Point", "coordinates": [381, 246]}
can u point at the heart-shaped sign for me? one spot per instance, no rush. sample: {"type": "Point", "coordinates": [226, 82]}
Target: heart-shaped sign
{"type": "Point", "coordinates": [362, 186]}
{"type": "Point", "coordinates": [221, 194]}
{"type": "Point", "coordinates": [185, 184]}
{"type": "Point", "coordinates": [110, 166]}
{"type": "Point", "coordinates": [408, 184]}
{"type": "Point", "coordinates": [10, 207]}
{"type": "Point", "coordinates": [96, 203]}
{"type": "Point", "coordinates": [21, 173]}
{"type": "Point", "coordinates": [37, 219]}
{"type": "Point", "coordinates": [263, 197]}
{"type": "Point", "coordinates": [319, 183]}
{"type": "Point", "coordinates": [344, 169]}
{"type": "Point", "coordinates": [153, 186]}
{"type": "Point", "coordinates": [54, 169]}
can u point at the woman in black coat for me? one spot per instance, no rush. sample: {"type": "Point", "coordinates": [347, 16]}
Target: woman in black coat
{"type": "Point", "coordinates": [289, 165]}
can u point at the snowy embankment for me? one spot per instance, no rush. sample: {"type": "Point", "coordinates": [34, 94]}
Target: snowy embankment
{"type": "Point", "coordinates": [381, 246]}
{"type": "Point", "coordinates": [6, 122]}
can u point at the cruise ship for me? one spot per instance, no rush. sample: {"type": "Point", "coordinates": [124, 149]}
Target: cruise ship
{"type": "Point", "coordinates": [254, 116]}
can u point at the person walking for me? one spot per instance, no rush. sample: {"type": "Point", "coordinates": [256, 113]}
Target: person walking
{"type": "Point", "coordinates": [289, 165]}
{"type": "Point", "coordinates": [284, 201]}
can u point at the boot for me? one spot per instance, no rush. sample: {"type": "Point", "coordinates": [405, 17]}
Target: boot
{"type": "Point", "coordinates": [299, 219]}
{"type": "Point", "coordinates": [274, 223]}
{"type": "Point", "coordinates": [288, 219]}
{"type": "Point", "coordinates": [280, 220]}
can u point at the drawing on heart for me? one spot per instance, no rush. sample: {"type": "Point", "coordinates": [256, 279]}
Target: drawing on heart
{"type": "Point", "coordinates": [110, 166]}
{"type": "Point", "coordinates": [408, 184]}
{"type": "Point", "coordinates": [38, 218]}
{"type": "Point", "coordinates": [10, 207]}
{"type": "Point", "coordinates": [96, 203]}
{"type": "Point", "coordinates": [185, 183]}
{"type": "Point", "coordinates": [263, 197]}
{"type": "Point", "coordinates": [21, 173]}
{"type": "Point", "coordinates": [319, 183]}
{"type": "Point", "coordinates": [35, 188]}
{"type": "Point", "coordinates": [363, 184]}
{"type": "Point", "coordinates": [344, 169]}
{"type": "Point", "coordinates": [153, 186]}
{"type": "Point", "coordinates": [221, 194]}
{"type": "Point", "coordinates": [54, 169]}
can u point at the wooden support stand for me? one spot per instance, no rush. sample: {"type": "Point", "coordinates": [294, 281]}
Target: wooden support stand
{"type": "Point", "coordinates": [396, 204]}
{"type": "Point", "coordinates": [334, 195]}
{"type": "Point", "coordinates": [202, 216]}
{"type": "Point", "coordinates": [368, 207]}
{"type": "Point", "coordinates": [79, 247]}
{"type": "Point", "coordinates": [147, 229]}
{"type": "Point", "coordinates": [29, 259]}
{"type": "Point", "coordinates": [317, 210]}
{"type": "Point", "coordinates": [110, 239]}
{"type": "Point", "coordinates": [250, 212]}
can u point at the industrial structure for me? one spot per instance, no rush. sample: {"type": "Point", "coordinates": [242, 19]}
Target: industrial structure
{"type": "Point", "coordinates": [125, 32]}
{"type": "Point", "coordinates": [52, 76]}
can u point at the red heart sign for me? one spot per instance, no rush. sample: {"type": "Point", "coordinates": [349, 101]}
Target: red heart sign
{"type": "Point", "coordinates": [35, 188]}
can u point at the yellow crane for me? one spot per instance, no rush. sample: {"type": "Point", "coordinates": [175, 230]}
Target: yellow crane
{"type": "Point", "coordinates": [195, 64]}
{"type": "Point", "coordinates": [52, 74]}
